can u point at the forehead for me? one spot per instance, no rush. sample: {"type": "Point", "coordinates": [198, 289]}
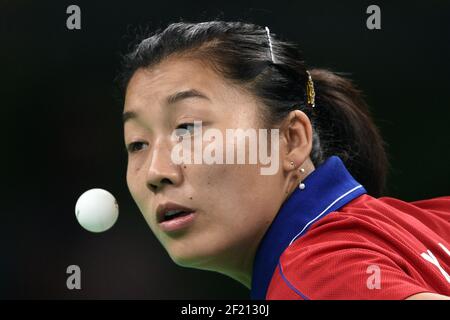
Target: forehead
{"type": "Point", "coordinates": [171, 75]}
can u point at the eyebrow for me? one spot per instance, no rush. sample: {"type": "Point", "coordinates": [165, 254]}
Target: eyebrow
{"type": "Point", "coordinates": [191, 93]}
{"type": "Point", "coordinates": [172, 99]}
{"type": "Point", "coordinates": [128, 115]}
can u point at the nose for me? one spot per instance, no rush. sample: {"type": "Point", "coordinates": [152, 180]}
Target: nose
{"type": "Point", "coordinates": [162, 171]}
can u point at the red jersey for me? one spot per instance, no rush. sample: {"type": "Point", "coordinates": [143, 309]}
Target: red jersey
{"type": "Point", "coordinates": [333, 241]}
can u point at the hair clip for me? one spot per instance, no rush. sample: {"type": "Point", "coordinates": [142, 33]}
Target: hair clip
{"type": "Point", "coordinates": [270, 44]}
{"type": "Point", "coordinates": [310, 93]}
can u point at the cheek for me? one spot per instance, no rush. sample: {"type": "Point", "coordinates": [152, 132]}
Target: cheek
{"type": "Point", "coordinates": [135, 183]}
{"type": "Point", "coordinates": [136, 186]}
{"type": "Point", "coordinates": [130, 180]}
{"type": "Point", "coordinates": [229, 192]}
{"type": "Point", "coordinates": [234, 215]}
{"type": "Point", "coordinates": [243, 197]}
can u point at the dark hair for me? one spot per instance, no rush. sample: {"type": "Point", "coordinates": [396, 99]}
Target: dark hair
{"type": "Point", "coordinates": [240, 52]}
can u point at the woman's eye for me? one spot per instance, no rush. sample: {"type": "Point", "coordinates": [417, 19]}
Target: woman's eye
{"type": "Point", "coordinates": [136, 146]}
{"type": "Point", "coordinates": [184, 129]}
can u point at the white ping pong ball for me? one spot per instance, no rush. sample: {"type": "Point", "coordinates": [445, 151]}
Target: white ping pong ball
{"type": "Point", "coordinates": [96, 210]}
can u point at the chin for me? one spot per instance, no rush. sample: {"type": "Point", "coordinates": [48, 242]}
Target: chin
{"type": "Point", "coordinates": [195, 260]}
{"type": "Point", "coordinates": [186, 261]}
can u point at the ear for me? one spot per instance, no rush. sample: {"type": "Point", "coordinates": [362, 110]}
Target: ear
{"type": "Point", "coordinates": [296, 134]}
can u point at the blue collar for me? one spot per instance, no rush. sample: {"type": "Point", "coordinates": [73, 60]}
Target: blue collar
{"type": "Point", "coordinates": [328, 188]}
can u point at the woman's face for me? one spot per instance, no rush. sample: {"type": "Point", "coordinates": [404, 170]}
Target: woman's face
{"type": "Point", "coordinates": [234, 203]}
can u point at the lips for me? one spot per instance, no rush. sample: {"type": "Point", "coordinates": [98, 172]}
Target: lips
{"type": "Point", "coordinates": [168, 211]}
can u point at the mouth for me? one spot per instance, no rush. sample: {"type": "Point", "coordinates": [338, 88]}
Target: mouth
{"type": "Point", "coordinates": [174, 214]}
{"type": "Point", "coordinates": [173, 217]}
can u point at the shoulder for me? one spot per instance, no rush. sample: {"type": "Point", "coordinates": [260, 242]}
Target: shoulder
{"type": "Point", "coordinates": [359, 252]}
{"type": "Point", "coordinates": [384, 220]}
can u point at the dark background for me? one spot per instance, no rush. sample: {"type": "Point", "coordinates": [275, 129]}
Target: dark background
{"type": "Point", "coordinates": [62, 132]}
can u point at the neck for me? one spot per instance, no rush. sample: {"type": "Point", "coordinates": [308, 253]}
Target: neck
{"type": "Point", "coordinates": [238, 263]}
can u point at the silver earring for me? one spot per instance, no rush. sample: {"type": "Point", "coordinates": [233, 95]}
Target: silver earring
{"type": "Point", "coordinates": [301, 186]}
{"type": "Point", "coordinates": [292, 163]}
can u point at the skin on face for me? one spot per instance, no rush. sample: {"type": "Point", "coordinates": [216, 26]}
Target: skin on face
{"type": "Point", "coordinates": [234, 203]}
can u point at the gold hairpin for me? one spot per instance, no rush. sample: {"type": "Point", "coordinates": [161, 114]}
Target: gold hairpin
{"type": "Point", "coordinates": [311, 94]}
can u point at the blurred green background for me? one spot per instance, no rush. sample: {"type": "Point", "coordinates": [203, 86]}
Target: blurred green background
{"type": "Point", "coordinates": [62, 133]}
